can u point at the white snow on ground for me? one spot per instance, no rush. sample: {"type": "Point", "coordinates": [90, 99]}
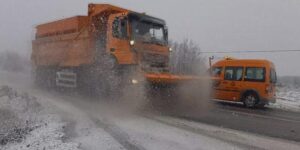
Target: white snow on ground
{"type": "Point", "coordinates": [288, 97]}
{"type": "Point", "coordinates": [32, 126]}
{"type": "Point", "coordinates": [57, 126]}
{"type": "Point", "coordinates": [288, 93]}
{"type": "Point", "coordinates": [80, 128]}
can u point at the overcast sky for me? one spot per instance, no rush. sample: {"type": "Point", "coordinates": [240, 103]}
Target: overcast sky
{"type": "Point", "coordinates": [215, 25]}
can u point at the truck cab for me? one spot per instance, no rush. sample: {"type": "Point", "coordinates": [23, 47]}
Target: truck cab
{"type": "Point", "coordinates": [135, 38]}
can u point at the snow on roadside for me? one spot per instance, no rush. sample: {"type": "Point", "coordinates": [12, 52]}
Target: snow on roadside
{"type": "Point", "coordinates": [77, 126]}
{"type": "Point", "coordinates": [288, 93]}
{"type": "Point", "coordinates": [26, 125]}
{"type": "Point", "coordinates": [288, 97]}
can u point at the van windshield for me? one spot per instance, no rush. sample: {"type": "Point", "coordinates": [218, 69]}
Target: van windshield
{"type": "Point", "coordinates": [216, 71]}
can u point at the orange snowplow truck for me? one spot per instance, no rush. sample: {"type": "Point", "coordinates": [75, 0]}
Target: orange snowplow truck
{"type": "Point", "coordinates": [99, 49]}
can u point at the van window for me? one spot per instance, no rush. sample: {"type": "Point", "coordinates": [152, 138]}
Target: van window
{"type": "Point", "coordinates": [217, 71]}
{"type": "Point", "coordinates": [255, 74]}
{"type": "Point", "coordinates": [273, 76]}
{"type": "Point", "coordinates": [234, 73]}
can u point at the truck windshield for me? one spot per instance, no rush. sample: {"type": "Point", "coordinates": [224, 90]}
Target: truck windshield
{"type": "Point", "coordinates": [149, 32]}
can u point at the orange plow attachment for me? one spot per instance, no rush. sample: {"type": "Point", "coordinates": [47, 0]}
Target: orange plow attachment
{"type": "Point", "coordinates": [184, 91]}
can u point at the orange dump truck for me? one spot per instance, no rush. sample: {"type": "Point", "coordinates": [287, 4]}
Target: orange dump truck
{"type": "Point", "coordinates": [102, 48]}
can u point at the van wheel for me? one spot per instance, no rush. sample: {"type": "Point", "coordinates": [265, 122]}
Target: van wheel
{"type": "Point", "coordinates": [261, 105]}
{"type": "Point", "coordinates": [250, 100]}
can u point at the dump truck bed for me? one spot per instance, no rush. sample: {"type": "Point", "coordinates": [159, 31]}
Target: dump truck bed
{"type": "Point", "coordinates": [64, 26]}
{"type": "Point", "coordinates": [64, 43]}
{"type": "Point", "coordinates": [69, 42]}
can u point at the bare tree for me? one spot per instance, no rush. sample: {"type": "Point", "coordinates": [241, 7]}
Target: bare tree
{"type": "Point", "coordinates": [186, 58]}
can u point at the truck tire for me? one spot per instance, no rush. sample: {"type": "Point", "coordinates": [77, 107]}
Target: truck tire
{"type": "Point", "coordinates": [44, 77]}
{"type": "Point", "coordinates": [250, 99]}
{"type": "Point", "coordinates": [37, 75]}
{"type": "Point", "coordinates": [101, 79]}
{"type": "Point", "coordinates": [111, 77]}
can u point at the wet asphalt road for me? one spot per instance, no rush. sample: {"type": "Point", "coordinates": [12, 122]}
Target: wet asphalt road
{"type": "Point", "coordinates": [268, 121]}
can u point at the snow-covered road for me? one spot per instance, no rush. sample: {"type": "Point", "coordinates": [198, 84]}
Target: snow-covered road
{"type": "Point", "coordinates": [93, 124]}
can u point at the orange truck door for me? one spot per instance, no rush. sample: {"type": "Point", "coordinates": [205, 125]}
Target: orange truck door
{"type": "Point", "coordinates": [118, 39]}
{"type": "Point", "coordinates": [231, 84]}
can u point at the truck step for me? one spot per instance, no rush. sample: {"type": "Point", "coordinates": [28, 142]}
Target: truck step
{"type": "Point", "coordinates": [66, 79]}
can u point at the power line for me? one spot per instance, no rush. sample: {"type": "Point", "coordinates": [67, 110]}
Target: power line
{"type": "Point", "coordinates": [248, 51]}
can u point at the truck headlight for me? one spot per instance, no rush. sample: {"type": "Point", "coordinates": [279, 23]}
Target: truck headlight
{"type": "Point", "coordinates": [134, 81]}
{"type": "Point", "coordinates": [170, 49]}
{"type": "Point", "coordinates": [132, 42]}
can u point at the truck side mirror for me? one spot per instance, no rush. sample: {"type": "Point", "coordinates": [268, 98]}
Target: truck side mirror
{"type": "Point", "coordinates": [166, 30]}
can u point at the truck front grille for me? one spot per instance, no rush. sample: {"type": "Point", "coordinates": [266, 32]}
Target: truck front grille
{"type": "Point", "coordinates": [155, 62]}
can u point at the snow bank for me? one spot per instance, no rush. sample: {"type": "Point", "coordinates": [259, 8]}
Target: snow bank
{"type": "Point", "coordinates": [288, 97]}
{"type": "Point", "coordinates": [25, 124]}
{"type": "Point", "coordinates": [288, 93]}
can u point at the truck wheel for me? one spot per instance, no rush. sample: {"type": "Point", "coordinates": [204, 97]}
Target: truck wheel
{"type": "Point", "coordinates": [50, 80]}
{"type": "Point", "coordinates": [112, 77]}
{"type": "Point", "coordinates": [44, 77]}
{"type": "Point", "coordinates": [250, 99]}
{"type": "Point", "coordinates": [103, 79]}
{"type": "Point", "coordinates": [37, 74]}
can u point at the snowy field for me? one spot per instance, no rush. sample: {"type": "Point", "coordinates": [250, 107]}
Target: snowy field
{"type": "Point", "coordinates": [288, 93]}
{"type": "Point", "coordinates": [27, 125]}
